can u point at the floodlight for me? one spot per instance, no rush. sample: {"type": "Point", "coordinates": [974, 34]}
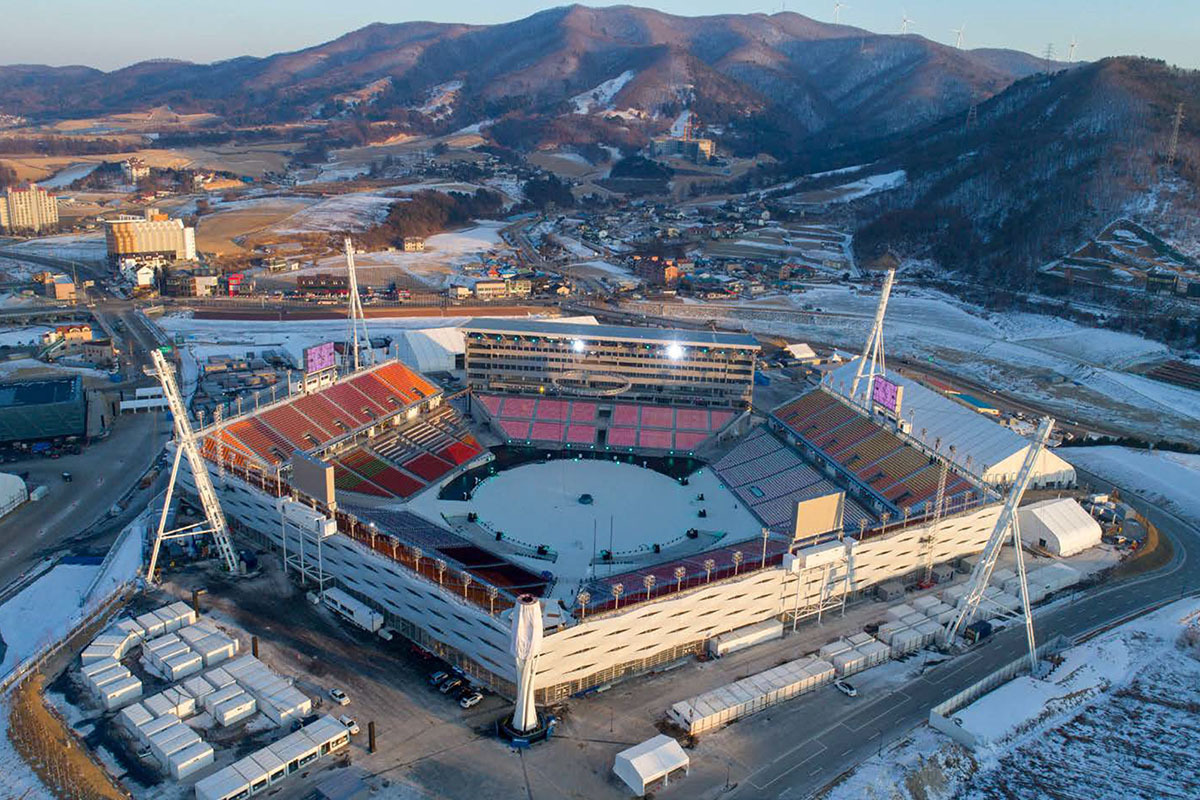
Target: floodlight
{"type": "Point", "coordinates": [674, 351]}
{"type": "Point", "coordinates": [577, 345]}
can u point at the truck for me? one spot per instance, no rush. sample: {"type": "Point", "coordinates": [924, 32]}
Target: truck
{"type": "Point", "coordinates": [355, 611]}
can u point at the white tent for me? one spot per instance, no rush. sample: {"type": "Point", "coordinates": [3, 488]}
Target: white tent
{"type": "Point", "coordinates": [12, 492]}
{"type": "Point", "coordinates": [803, 353]}
{"type": "Point", "coordinates": [652, 760]}
{"type": "Point", "coordinates": [431, 349]}
{"type": "Point", "coordinates": [996, 450]}
{"type": "Point", "coordinates": [1060, 526]}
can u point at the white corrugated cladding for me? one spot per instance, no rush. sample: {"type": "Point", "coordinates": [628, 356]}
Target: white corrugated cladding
{"type": "Point", "coordinates": [1059, 525]}
{"type": "Point", "coordinates": [12, 492]}
{"type": "Point", "coordinates": [973, 434]}
{"type": "Point", "coordinates": [430, 349]}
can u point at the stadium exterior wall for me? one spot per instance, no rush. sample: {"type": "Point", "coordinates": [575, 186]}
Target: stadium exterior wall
{"type": "Point", "coordinates": [614, 644]}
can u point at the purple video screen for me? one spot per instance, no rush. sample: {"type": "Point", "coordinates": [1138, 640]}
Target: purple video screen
{"type": "Point", "coordinates": [885, 393]}
{"type": "Point", "coordinates": [319, 357]}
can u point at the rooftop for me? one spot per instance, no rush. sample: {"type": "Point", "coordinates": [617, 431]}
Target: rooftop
{"type": "Point", "coordinates": [42, 392]}
{"type": "Point", "coordinates": [611, 332]}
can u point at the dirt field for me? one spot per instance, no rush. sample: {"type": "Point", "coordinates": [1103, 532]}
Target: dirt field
{"type": "Point", "coordinates": [36, 168]}
{"type": "Point", "coordinates": [252, 159]}
{"type": "Point", "coordinates": [215, 233]}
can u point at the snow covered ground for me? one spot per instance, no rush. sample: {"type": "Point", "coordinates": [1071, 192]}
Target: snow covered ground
{"type": "Point", "coordinates": [20, 781]}
{"type": "Point", "coordinates": [1072, 369]}
{"type": "Point", "coordinates": [1114, 719]}
{"type": "Point", "coordinates": [26, 334]}
{"type": "Point", "coordinates": [47, 609]}
{"type": "Point", "coordinates": [71, 246]}
{"type": "Point", "coordinates": [854, 190]}
{"type": "Point", "coordinates": [601, 98]}
{"type": "Point", "coordinates": [1170, 478]}
{"type": "Point", "coordinates": [345, 212]}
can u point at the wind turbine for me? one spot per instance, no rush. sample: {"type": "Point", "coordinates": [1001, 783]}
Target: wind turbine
{"type": "Point", "coordinates": [837, 12]}
{"type": "Point", "coordinates": [958, 35]}
{"type": "Point", "coordinates": [905, 22]}
{"type": "Point", "coordinates": [1071, 50]}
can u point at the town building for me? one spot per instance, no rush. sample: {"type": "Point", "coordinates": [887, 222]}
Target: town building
{"type": "Point", "coordinates": [698, 151]}
{"type": "Point", "coordinates": [59, 287]}
{"type": "Point", "coordinates": [414, 244]}
{"type": "Point", "coordinates": [134, 169]}
{"type": "Point", "coordinates": [71, 334]}
{"type": "Point", "coordinates": [153, 236]}
{"type": "Point", "coordinates": [28, 208]}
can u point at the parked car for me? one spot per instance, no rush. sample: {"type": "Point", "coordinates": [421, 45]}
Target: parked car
{"type": "Point", "coordinates": [471, 699]}
{"type": "Point", "coordinates": [297, 724]}
{"type": "Point", "coordinates": [339, 697]}
{"type": "Point", "coordinates": [66, 476]}
{"type": "Point", "coordinates": [436, 678]}
{"type": "Point", "coordinates": [350, 724]}
{"type": "Point", "coordinates": [450, 684]}
{"type": "Point", "coordinates": [846, 688]}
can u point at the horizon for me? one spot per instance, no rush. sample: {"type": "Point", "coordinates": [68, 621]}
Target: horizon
{"type": "Point", "coordinates": [202, 35]}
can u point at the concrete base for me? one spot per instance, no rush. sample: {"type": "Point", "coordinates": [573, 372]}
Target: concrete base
{"type": "Point", "coordinates": [543, 731]}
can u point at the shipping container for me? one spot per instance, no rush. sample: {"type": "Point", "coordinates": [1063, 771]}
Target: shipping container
{"type": "Point", "coordinates": [744, 637]}
{"type": "Point", "coordinates": [354, 610]}
{"type": "Point", "coordinates": [899, 612]}
{"type": "Point", "coordinates": [190, 760]}
{"type": "Point", "coordinates": [828, 651]}
{"type": "Point", "coordinates": [923, 602]}
{"type": "Point", "coordinates": [180, 666]}
{"type": "Point", "coordinates": [874, 653]}
{"type": "Point", "coordinates": [134, 716]}
{"type": "Point", "coordinates": [235, 709]}
{"type": "Point", "coordinates": [120, 693]}
{"type": "Point", "coordinates": [849, 662]}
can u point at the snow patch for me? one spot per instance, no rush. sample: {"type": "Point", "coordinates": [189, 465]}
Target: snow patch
{"type": "Point", "coordinates": [601, 98]}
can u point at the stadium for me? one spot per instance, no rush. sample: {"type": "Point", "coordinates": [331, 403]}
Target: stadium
{"type": "Point", "coordinates": [643, 499]}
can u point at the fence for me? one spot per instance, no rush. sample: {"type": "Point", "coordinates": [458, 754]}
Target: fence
{"type": "Point", "coordinates": [940, 715]}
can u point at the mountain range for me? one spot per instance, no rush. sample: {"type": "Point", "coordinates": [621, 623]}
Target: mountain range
{"type": "Point", "coordinates": [634, 67]}
{"type": "Point", "coordinates": [1010, 160]}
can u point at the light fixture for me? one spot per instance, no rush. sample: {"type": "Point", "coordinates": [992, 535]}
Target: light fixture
{"type": "Point", "coordinates": [674, 351]}
{"type": "Point", "coordinates": [577, 345]}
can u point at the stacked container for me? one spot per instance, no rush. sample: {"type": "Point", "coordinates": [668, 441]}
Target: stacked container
{"type": "Point", "coordinates": [171, 740]}
{"type": "Point", "coordinates": [176, 702]}
{"type": "Point", "coordinates": [190, 760]}
{"type": "Point", "coordinates": [112, 684]}
{"type": "Point", "coordinates": [874, 653]}
{"type": "Point", "coordinates": [134, 716]}
{"type": "Point", "coordinates": [899, 612]}
{"type": "Point", "coordinates": [849, 662]}
{"type": "Point", "coordinates": [904, 641]}
{"type": "Point", "coordinates": [745, 637]}
{"type": "Point", "coordinates": [278, 700]}
{"type": "Point", "coordinates": [940, 613]}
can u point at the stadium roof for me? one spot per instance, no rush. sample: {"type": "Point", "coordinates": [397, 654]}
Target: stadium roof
{"type": "Point", "coordinates": [618, 332]}
{"type": "Point", "coordinates": [40, 392]}
{"type": "Point", "coordinates": [982, 438]}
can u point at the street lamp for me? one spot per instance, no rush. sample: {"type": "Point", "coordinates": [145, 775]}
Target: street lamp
{"type": "Point", "coordinates": [737, 560]}
{"type": "Point", "coordinates": [680, 572]}
{"type": "Point", "coordinates": [648, 582]}
{"type": "Point", "coordinates": [416, 554]}
{"type": "Point", "coordinates": [708, 568]}
{"type": "Point", "coordinates": [618, 589]}
{"type": "Point", "coordinates": [493, 593]}
{"type": "Point", "coordinates": [765, 534]}
{"type": "Point", "coordinates": [466, 581]}
{"type": "Point", "coordinates": [583, 598]}
{"type": "Point", "coordinates": [441, 569]}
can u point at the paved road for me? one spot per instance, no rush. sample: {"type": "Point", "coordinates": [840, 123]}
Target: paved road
{"type": "Point", "coordinates": [858, 728]}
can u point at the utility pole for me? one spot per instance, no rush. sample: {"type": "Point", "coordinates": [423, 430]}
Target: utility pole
{"type": "Point", "coordinates": [1173, 146]}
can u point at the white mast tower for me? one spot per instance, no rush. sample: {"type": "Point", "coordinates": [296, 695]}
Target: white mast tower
{"type": "Point", "coordinates": [526, 646]}
{"type": "Point", "coordinates": [873, 349]}
{"type": "Point", "coordinates": [357, 319]}
{"type": "Point", "coordinates": [185, 442]}
{"type": "Point", "coordinates": [1006, 523]}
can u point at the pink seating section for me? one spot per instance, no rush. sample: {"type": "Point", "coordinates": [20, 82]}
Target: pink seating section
{"type": "Point", "coordinates": [581, 434]}
{"type": "Point", "coordinates": [622, 437]}
{"type": "Point", "coordinates": [646, 425]}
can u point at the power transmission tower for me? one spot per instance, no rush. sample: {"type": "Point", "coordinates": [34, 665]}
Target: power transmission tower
{"type": "Point", "coordinates": [1173, 146]}
{"type": "Point", "coordinates": [185, 443]}
{"type": "Point", "coordinates": [355, 311]}
{"type": "Point", "coordinates": [1006, 525]}
{"type": "Point", "coordinates": [972, 116]}
{"type": "Point", "coordinates": [873, 349]}
{"type": "Point", "coordinates": [1048, 55]}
